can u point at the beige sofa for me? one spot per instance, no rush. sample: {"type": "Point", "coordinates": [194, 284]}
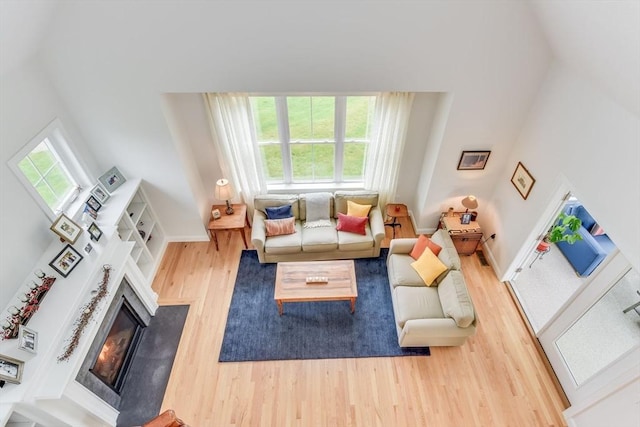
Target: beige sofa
{"type": "Point", "coordinates": [317, 243]}
{"type": "Point", "coordinates": [441, 315]}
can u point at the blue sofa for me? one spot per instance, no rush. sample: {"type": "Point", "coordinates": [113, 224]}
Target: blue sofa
{"type": "Point", "coordinates": [585, 255]}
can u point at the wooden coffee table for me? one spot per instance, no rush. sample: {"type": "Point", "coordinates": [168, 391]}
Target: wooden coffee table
{"type": "Point", "coordinates": [291, 283]}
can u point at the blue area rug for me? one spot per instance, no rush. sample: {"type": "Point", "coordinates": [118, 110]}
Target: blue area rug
{"type": "Point", "coordinates": [310, 330]}
{"type": "Point", "coordinates": [146, 382]}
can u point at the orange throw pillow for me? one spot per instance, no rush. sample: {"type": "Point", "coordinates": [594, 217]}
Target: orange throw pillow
{"type": "Point", "coordinates": [422, 243]}
{"type": "Point", "coordinates": [279, 227]}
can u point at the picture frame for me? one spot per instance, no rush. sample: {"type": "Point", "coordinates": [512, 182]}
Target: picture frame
{"type": "Point", "coordinates": [27, 339]}
{"type": "Point", "coordinates": [88, 248]}
{"type": "Point", "coordinates": [66, 260]}
{"type": "Point", "coordinates": [473, 160]}
{"type": "Point", "coordinates": [66, 229]}
{"type": "Point", "coordinates": [465, 218]}
{"type": "Point", "coordinates": [11, 369]}
{"type": "Point", "coordinates": [112, 179]}
{"type": "Point", "coordinates": [100, 193]}
{"type": "Point", "coordinates": [94, 231]}
{"type": "Point", "coordinates": [93, 203]}
{"type": "Point", "coordinates": [88, 210]}
{"type": "Point", "coordinates": [522, 180]}
{"type": "Point", "coordinates": [215, 214]}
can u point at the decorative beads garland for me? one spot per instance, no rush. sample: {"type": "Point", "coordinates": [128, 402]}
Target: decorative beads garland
{"type": "Point", "coordinates": [86, 314]}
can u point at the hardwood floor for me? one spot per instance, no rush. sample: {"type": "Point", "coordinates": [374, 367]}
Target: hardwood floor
{"type": "Point", "coordinates": [496, 379]}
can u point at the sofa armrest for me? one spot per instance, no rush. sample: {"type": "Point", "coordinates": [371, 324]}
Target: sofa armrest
{"type": "Point", "coordinates": [445, 327]}
{"type": "Point", "coordinates": [377, 227]}
{"type": "Point", "coordinates": [402, 246]}
{"type": "Point", "coordinates": [259, 233]}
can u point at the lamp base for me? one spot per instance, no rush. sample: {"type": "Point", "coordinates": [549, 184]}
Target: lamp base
{"type": "Point", "coordinates": [229, 210]}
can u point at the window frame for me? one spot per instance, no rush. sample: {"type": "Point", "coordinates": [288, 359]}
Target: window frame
{"type": "Point", "coordinates": [339, 140]}
{"type": "Point", "coordinates": [60, 143]}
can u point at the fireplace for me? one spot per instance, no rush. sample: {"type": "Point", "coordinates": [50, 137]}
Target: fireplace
{"type": "Point", "coordinates": [118, 348]}
{"type": "Point", "coordinates": [104, 370]}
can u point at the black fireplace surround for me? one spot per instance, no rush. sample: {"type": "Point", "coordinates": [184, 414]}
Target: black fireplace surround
{"type": "Point", "coordinates": [125, 311]}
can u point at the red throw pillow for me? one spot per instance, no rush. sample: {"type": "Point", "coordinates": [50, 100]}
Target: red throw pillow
{"type": "Point", "coordinates": [422, 243]}
{"type": "Point", "coordinates": [352, 224]}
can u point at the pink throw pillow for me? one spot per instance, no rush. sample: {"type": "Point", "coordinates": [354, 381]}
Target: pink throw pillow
{"type": "Point", "coordinates": [279, 227]}
{"type": "Point", "coordinates": [352, 224]}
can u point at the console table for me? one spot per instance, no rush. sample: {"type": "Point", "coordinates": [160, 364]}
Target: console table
{"type": "Point", "coordinates": [466, 237]}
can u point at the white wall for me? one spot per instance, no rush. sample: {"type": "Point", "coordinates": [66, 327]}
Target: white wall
{"type": "Point", "coordinates": [28, 104]}
{"type": "Point", "coordinates": [576, 131]}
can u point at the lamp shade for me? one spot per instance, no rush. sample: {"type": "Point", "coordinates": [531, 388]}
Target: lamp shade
{"type": "Point", "coordinates": [470, 202]}
{"type": "Point", "coordinates": [224, 190]}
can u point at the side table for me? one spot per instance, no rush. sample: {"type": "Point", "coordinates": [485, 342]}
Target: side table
{"type": "Point", "coordinates": [395, 211]}
{"type": "Point", "coordinates": [465, 237]}
{"type": "Point", "coordinates": [236, 221]}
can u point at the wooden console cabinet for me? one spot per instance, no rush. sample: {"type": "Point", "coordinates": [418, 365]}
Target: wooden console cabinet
{"type": "Point", "coordinates": [466, 237]}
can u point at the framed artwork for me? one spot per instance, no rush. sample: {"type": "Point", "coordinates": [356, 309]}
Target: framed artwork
{"type": "Point", "coordinates": [66, 229]}
{"type": "Point", "coordinates": [215, 214]}
{"type": "Point", "coordinates": [11, 369]}
{"type": "Point", "coordinates": [100, 193]}
{"type": "Point", "coordinates": [522, 180]}
{"type": "Point", "coordinates": [94, 231]}
{"type": "Point", "coordinates": [27, 339]}
{"type": "Point", "coordinates": [88, 210]}
{"type": "Point", "coordinates": [93, 203]}
{"type": "Point", "coordinates": [465, 218]}
{"type": "Point", "coordinates": [112, 179]}
{"type": "Point", "coordinates": [88, 248]}
{"type": "Point", "coordinates": [66, 260]}
{"type": "Point", "coordinates": [473, 160]}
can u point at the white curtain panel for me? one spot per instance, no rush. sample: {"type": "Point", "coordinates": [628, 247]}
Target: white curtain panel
{"type": "Point", "coordinates": [231, 126]}
{"type": "Point", "coordinates": [383, 159]}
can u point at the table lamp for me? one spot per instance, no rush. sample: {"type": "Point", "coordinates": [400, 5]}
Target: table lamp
{"type": "Point", "coordinates": [224, 191]}
{"type": "Point", "coordinates": [470, 202]}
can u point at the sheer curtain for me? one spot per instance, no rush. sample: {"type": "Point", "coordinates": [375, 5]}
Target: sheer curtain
{"type": "Point", "coordinates": [383, 159]}
{"type": "Point", "coordinates": [230, 120]}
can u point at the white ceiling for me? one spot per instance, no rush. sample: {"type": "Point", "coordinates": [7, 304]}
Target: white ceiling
{"type": "Point", "coordinates": [599, 39]}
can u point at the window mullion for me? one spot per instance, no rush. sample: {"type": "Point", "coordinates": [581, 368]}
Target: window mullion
{"type": "Point", "coordinates": [282, 116]}
{"type": "Point", "coordinates": [339, 130]}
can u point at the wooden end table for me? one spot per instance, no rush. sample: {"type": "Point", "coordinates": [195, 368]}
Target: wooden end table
{"type": "Point", "coordinates": [236, 221]}
{"type": "Point", "coordinates": [465, 237]}
{"type": "Point", "coordinates": [395, 211]}
{"type": "Point", "coordinates": [291, 283]}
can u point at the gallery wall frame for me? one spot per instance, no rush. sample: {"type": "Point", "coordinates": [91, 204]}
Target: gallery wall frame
{"type": "Point", "coordinates": [473, 160]}
{"type": "Point", "coordinates": [27, 339]}
{"type": "Point", "coordinates": [66, 229]}
{"type": "Point", "coordinates": [112, 179]}
{"type": "Point", "coordinates": [66, 260]}
{"type": "Point", "coordinates": [522, 180]}
{"type": "Point", "coordinates": [11, 369]}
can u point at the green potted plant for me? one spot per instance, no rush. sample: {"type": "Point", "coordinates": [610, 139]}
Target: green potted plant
{"type": "Point", "coordinates": [565, 229]}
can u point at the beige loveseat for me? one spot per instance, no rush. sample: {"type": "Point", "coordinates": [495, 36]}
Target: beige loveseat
{"type": "Point", "coordinates": [317, 243]}
{"type": "Point", "coordinates": [438, 315]}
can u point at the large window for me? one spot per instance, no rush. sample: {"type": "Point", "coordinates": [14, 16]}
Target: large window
{"type": "Point", "coordinates": [313, 139]}
{"type": "Point", "coordinates": [49, 170]}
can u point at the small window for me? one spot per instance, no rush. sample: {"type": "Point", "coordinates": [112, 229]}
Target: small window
{"type": "Point", "coordinates": [49, 170]}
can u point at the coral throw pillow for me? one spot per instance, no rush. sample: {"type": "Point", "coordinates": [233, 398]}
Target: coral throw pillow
{"type": "Point", "coordinates": [279, 212]}
{"type": "Point", "coordinates": [354, 209]}
{"type": "Point", "coordinates": [428, 267]}
{"type": "Point", "coordinates": [352, 224]}
{"type": "Point", "coordinates": [423, 243]}
{"type": "Point", "coordinates": [279, 227]}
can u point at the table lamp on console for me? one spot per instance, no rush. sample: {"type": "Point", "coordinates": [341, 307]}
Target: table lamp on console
{"type": "Point", "coordinates": [470, 202]}
{"type": "Point", "coordinates": [224, 191]}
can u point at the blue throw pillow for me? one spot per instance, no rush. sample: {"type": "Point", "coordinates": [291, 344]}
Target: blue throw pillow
{"type": "Point", "coordinates": [279, 212]}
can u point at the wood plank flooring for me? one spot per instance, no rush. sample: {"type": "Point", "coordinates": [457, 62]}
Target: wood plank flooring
{"type": "Point", "coordinates": [496, 379]}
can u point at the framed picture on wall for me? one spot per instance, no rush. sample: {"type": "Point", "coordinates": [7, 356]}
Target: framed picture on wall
{"type": "Point", "coordinates": [473, 160]}
{"type": "Point", "coordinates": [66, 260]}
{"type": "Point", "coordinates": [112, 179]}
{"type": "Point", "coordinates": [100, 193]}
{"type": "Point", "coordinates": [66, 229]}
{"type": "Point", "coordinates": [522, 180]}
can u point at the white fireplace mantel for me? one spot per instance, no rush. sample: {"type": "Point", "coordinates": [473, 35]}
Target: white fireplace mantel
{"type": "Point", "coordinates": [48, 393]}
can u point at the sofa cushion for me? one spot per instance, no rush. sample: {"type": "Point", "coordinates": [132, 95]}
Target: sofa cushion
{"type": "Point", "coordinates": [455, 300]}
{"type": "Point", "coordinates": [279, 212]}
{"type": "Point", "coordinates": [448, 255]}
{"type": "Point", "coordinates": [422, 243]}
{"type": "Point", "coordinates": [280, 227]}
{"type": "Point", "coordinates": [360, 197]}
{"type": "Point", "coordinates": [302, 201]}
{"type": "Point", "coordinates": [262, 201]}
{"type": "Point", "coordinates": [410, 303]}
{"type": "Point", "coordinates": [428, 267]}
{"type": "Point", "coordinates": [352, 224]}
{"type": "Point", "coordinates": [355, 242]}
{"type": "Point", "coordinates": [285, 244]}
{"type": "Point", "coordinates": [400, 271]}
{"type": "Point", "coordinates": [355, 209]}
{"type": "Point", "coordinates": [320, 239]}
